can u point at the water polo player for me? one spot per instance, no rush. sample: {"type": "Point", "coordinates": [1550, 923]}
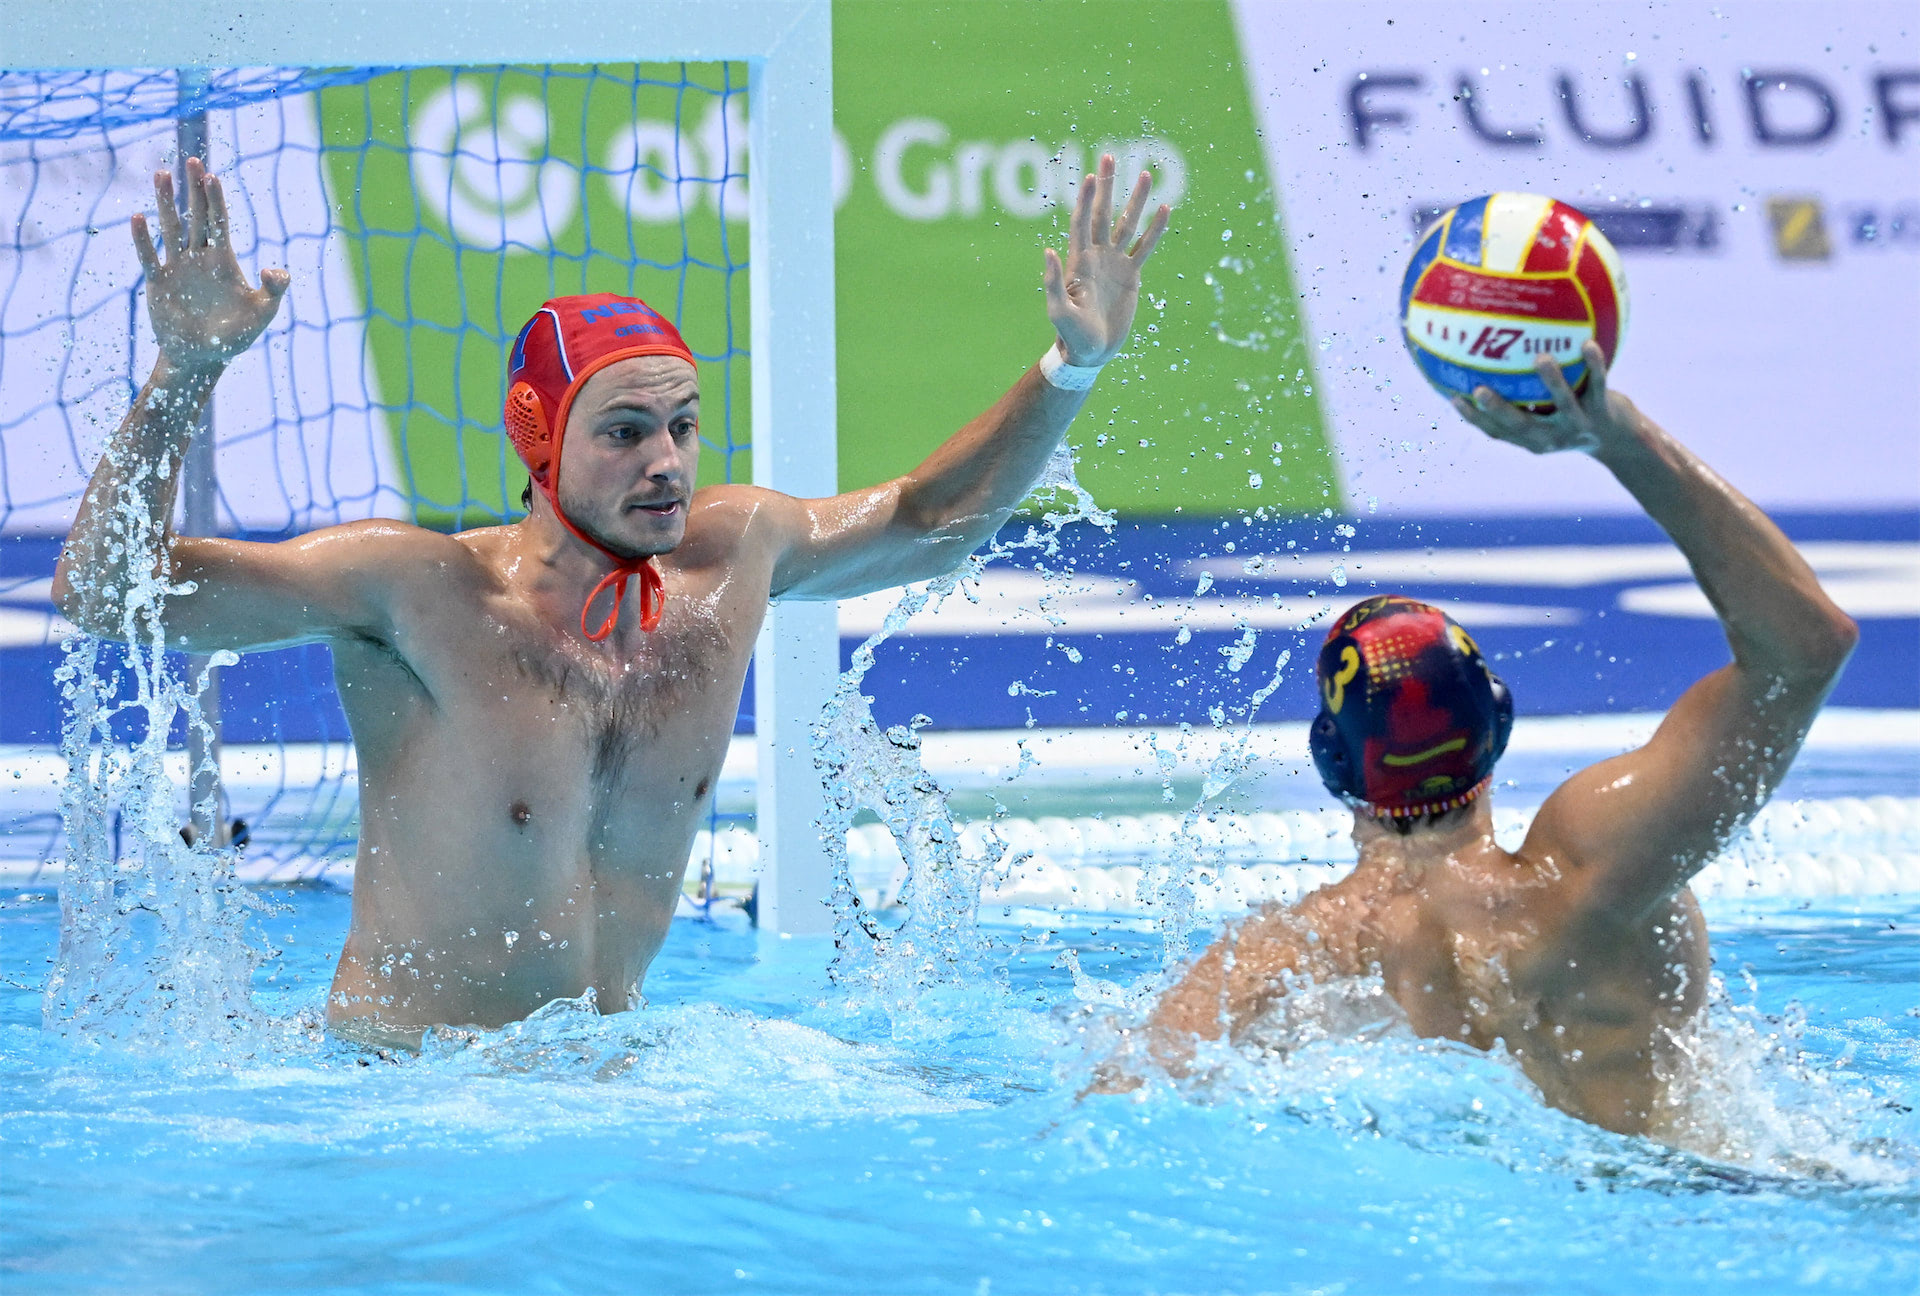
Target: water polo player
{"type": "Point", "coordinates": [541, 709]}
{"type": "Point", "coordinates": [1583, 952]}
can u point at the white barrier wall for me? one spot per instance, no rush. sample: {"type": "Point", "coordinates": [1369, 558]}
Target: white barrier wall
{"type": "Point", "coordinates": [1764, 159]}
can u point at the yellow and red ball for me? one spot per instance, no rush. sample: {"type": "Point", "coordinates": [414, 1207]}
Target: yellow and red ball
{"type": "Point", "coordinates": [1499, 281]}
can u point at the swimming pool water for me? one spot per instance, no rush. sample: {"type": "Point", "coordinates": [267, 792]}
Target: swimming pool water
{"type": "Point", "coordinates": [759, 1128]}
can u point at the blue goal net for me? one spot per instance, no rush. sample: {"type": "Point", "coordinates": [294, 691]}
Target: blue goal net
{"type": "Point", "coordinates": [423, 214]}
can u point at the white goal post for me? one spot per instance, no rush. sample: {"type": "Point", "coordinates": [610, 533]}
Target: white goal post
{"type": "Point", "coordinates": [788, 47]}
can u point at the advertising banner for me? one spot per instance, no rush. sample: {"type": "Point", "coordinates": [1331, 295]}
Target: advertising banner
{"type": "Point", "coordinates": [966, 129]}
{"type": "Point", "coordinates": [1756, 164]}
{"type": "Point", "coordinates": [475, 195]}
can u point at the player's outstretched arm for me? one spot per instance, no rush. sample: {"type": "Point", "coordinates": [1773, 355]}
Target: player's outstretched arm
{"type": "Point", "coordinates": [925, 523]}
{"type": "Point", "coordinates": [1638, 826]}
{"type": "Point", "coordinates": [204, 314]}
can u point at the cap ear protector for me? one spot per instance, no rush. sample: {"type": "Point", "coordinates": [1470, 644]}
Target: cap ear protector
{"type": "Point", "coordinates": [527, 428]}
{"type": "Point", "coordinates": [1502, 716]}
{"type": "Point", "coordinates": [1337, 769]}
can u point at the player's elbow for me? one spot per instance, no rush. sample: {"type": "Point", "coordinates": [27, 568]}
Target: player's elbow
{"type": "Point", "coordinates": [1817, 652]}
{"type": "Point", "coordinates": [1794, 637]}
{"type": "Point", "coordinates": [1831, 639]}
{"type": "Point", "coordinates": [77, 598]}
{"type": "Point", "coordinates": [1843, 637]}
{"type": "Point", "coordinates": [66, 601]}
{"type": "Point", "coordinates": [931, 556]}
{"type": "Point", "coordinates": [942, 531]}
{"type": "Point", "coordinates": [1846, 633]}
{"type": "Point", "coordinates": [923, 510]}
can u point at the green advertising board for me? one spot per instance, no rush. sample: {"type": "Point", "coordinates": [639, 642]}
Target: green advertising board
{"type": "Point", "coordinates": [965, 122]}
{"type": "Point", "coordinates": [469, 198]}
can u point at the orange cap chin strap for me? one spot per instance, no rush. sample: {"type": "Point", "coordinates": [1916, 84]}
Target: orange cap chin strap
{"type": "Point", "coordinates": [653, 591]}
{"type": "Point", "coordinates": [653, 597]}
{"type": "Point", "coordinates": [527, 426]}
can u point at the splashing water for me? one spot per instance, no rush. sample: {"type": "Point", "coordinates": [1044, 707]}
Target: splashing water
{"type": "Point", "coordinates": [939, 954]}
{"type": "Point", "coordinates": [1166, 886]}
{"type": "Point", "coordinates": [153, 946]}
{"type": "Point", "coordinates": [687, 1062]}
{"type": "Point", "coordinates": [940, 944]}
{"type": "Point", "coordinates": [153, 953]}
{"type": "Point", "coordinates": [1744, 1091]}
{"type": "Point", "coordinates": [1753, 1107]}
{"type": "Point", "coordinates": [939, 950]}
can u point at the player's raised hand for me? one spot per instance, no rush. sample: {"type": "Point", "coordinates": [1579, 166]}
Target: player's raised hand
{"type": "Point", "coordinates": [1593, 422]}
{"type": "Point", "coordinates": [1091, 298]}
{"type": "Point", "coordinates": [204, 312]}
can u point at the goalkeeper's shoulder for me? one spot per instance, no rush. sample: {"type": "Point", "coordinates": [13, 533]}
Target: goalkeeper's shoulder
{"type": "Point", "coordinates": [754, 525]}
{"type": "Point", "coordinates": [350, 579]}
{"type": "Point", "coordinates": [386, 548]}
{"type": "Point", "coordinates": [722, 518]}
{"type": "Point", "coordinates": [378, 564]}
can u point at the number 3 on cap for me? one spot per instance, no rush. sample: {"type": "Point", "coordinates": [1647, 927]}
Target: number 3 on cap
{"type": "Point", "coordinates": [1336, 688]}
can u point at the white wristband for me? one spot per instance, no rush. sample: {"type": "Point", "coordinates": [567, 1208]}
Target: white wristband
{"type": "Point", "coordinates": [1066, 377]}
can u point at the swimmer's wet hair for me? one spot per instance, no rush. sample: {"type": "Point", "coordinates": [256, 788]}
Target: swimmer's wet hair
{"type": "Point", "coordinates": [526, 496]}
{"type": "Point", "coordinates": [1405, 824]}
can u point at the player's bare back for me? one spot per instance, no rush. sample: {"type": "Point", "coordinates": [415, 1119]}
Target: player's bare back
{"type": "Point", "coordinates": [1486, 946]}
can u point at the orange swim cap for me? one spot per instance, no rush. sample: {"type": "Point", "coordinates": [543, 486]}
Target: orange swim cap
{"type": "Point", "coordinates": [568, 340]}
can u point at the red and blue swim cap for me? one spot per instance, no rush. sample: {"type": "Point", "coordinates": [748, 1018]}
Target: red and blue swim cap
{"type": "Point", "coordinates": [568, 340]}
{"type": "Point", "coordinates": [1411, 719]}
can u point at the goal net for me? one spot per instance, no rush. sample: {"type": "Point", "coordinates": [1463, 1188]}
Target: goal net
{"type": "Point", "coordinates": [423, 214]}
